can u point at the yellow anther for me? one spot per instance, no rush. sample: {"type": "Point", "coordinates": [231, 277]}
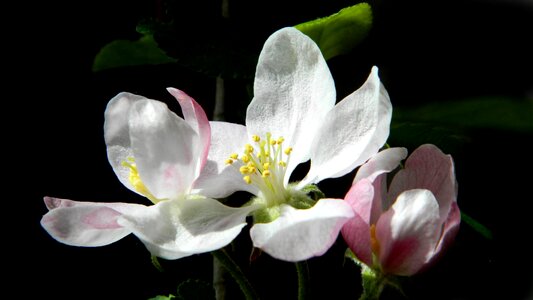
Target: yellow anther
{"type": "Point", "coordinates": [228, 161]}
{"type": "Point", "coordinates": [267, 153]}
{"type": "Point", "coordinates": [256, 138]}
{"type": "Point", "coordinates": [273, 142]}
{"type": "Point", "coordinates": [266, 166]}
{"type": "Point", "coordinates": [265, 173]}
{"type": "Point", "coordinates": [248, 149]}
{"type": "Point", "coordinates": [282, 163]}
{"type": "Point", "coordinates": [245, 158]}
{"type": "Point", "coordinates": [234, 156]}
{"type": "Point", "coordinates": [247, 179]}
{"type": "Point", "coordinates": [288, 150]}
{"type": "Point", "coordinates": [280, 140]}
{"type": "Point", "coordinates": [243, 169]}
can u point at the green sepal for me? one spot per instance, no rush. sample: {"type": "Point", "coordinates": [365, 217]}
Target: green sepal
{"type": "Point", "coordinates": [156, 263]}
{"type": "Point", "coordinates": [339, 33]}
{"type": "Point", "coordinates": [313, 191]}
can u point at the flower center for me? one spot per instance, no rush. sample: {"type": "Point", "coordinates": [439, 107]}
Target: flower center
{"type": "Point", "coordinates": [136, 181]}
{"type": "Point", "coordinates": [264, 163]}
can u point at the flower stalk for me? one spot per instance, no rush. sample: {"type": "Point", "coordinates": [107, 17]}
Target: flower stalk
{"type": "Point", "coordinates": [231, 266]}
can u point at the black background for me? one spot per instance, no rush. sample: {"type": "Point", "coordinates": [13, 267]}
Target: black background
{"type": "Point", "coordinates": [426, 51]}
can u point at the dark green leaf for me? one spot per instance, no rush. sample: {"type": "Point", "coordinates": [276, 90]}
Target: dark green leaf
{"type": "Point", "coordinates": [195, 289]}
{"type": "Point", "coordinates": [124, 53]}
{"type": "Point", "coordinates": [341, 32]}
{"type": "Point", "coordinates": [450, 124]}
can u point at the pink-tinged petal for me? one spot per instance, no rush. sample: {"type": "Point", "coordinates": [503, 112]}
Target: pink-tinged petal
{"type": "Point", "coordinates": [117, 134]}
{"type": "Point", "coordinates": [178, 228]}
{"type": "Point", "coordinates": [218, 179]}
{"type": "Point", "coordinates": [408, 232]}
{"type": "Point", "coordinates": [196, 117]}
{"type": "Point", "coordinates": [383, 162]}
{"type": "Point", "coordinates": [428, 168]}
{"type": "Point", "coordinates": [165, 147]}
{"type": "Point", "coordinates": [88, 224]}
{"type": "Point", "coordinates": [293, 91]}
{"type": "Point", "coordinates": [122, 207]}
{"type": "Point", "coordinates": [356, 232]}
{"type": "Point", "coordinates": [299, 234]}
{"type": "Point", "coordinates": [449, 231]}
{"type": "Point", "coordinates": [352, 132]}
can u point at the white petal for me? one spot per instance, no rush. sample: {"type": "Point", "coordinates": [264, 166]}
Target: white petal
{"type": "Point", "coordinates": [383, 162]}
{"type": "Point", "coordinates": [293, 91]}
{"type": "Point", "coordinates": [353, 131]}
{"type": "Point", "coordinates": [165, 147]}
{"type": "Point", "coordinates": [408, 232]}
{"type": "Point", "coordinates": [88, 224]}
{"type": "Point", "coordinates": [299, 234]}
{"type": "Point", "coordinates": [117, 134]}
{"type": "Point", "coordinates": [217, 179]}
{"type": "Point", "coordinates": [178, 228]}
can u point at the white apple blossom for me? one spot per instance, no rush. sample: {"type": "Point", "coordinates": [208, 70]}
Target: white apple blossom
{"type": "Point", "coordinates": [158, 155]}
{"type": "Point", "coordinates": [291, 119]}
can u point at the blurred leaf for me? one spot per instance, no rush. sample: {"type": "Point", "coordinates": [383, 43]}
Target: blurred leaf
{"type": "Point", "coordinates": [124, 53]}
{"type": "Point", "coordinates": [488, 113]}
{"type": "Point", "coordinates": [413, 134]}
{"type": "Point", "coordinates": [341, 32]}
{"type": "Point", "coordinates": [195, 289]}
{"type": "Point", "coordinates": [450, 124]}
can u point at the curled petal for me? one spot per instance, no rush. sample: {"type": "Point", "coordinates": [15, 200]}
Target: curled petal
{"type": "Point", "coordinates": [428, 168]}
{"type": "Point", "coordinates": [197, 119]}
{"type": "Point", "coordinates": [165, 148]}
{"type": "Point", "coordinates": [293, 91]}
{"type": "Point", "coordinates": [352, 132]}
{"type": "Point", "coordinates": [88, 224]}
{"type": "Point", "coordinates": [117, 134]}
{"type": "Point", "coordinates": [218, 179]}
{"type": "Point", "coordinates": [178, 228]}
{"type": "Point", "coordinates": [408, 232]}
{"type": "Point", "coordinates": [299, 234]}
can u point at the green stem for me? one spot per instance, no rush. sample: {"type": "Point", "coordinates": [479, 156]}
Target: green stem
{"type": "Point", "coordinates": [227, 262]}
{"type": "Point", "coordinates": [303, 280]}
{"type": "Point", "coordinates": [373, 284]}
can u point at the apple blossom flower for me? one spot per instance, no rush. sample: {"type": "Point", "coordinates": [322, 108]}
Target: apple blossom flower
{"type": "Point", "coordinates": [405, 228]}
{"type": "Point", "coordinates": [158, 155]}
{"type": "Point", "coordinates": [293, 118]}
